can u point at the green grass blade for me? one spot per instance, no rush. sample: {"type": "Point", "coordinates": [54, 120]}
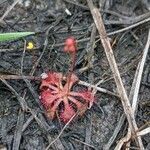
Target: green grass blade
{"type": "Point", "coordinates": [13, 36]}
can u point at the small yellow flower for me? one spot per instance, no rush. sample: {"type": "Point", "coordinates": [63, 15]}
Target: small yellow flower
{"type": "Point", "coordinates": [30, 45]}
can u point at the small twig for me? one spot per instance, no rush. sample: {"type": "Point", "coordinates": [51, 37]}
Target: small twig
{"type": "Point", "coordinates": [139, 77]}
{"type": "Point", "coordinates": [128, 20]}
{"type": "Point", "coordinates": [98, 88]}
{"type": "Point", "coordinates": [111, 33]}
{"type": "Point", "coordinates": [18, 131]}
{"type": "Point", "coordinates": [18, 77]}
{"type": "Point", "coordinates": [33, 92]}
{"type": "Point", "coordinates": [44, 49]}
{"type": "Point", "coordinates": [88, 132]}
{"type": "Point", "coordinates": [137, 38]}
{"type": "Point", "coordinates": [26, 124]}
{"type": "Point", "coordinates": [128, 137]}
{"type": "Point", "coordinates": [8, 10]}
{"type": "Point", "coordinates": [90, 50]}
{"type": "Point", "coordinates": [130, 27]}
{"type": "Point", "coordinates": [122, 119]}
{"type": "Point", "coordinates": [115, 133]}
{"type": "Point", "coordinates": [60, 132]}
{"type": "Point", "coordinates": [77, 4]}
{"type": "Point", "coordinates": [43, 125]}
{"type": "Point", "coordinates": [143, 132]}
{"type": "Point", "coordinates": [112, 62]}
{"type": "Point", "coordinates": [20, 99]}
{"type": "Point", "coordinates": [86, 144]}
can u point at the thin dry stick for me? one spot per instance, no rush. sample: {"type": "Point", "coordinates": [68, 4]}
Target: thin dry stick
{"type": "Point", "coordinates": [113, 32]}
{"type": "Point", "coordinates": [8, 10]}
{"type": "Point", "coordinates": [61, 132]}
{"type": "Point", "coordinates": [111, 59]}
{"type": "Point", "coordinates": [128, 136]}
{"type": "Point", "coordinates": [98, 88]}
{"type": "Point", "coordinates": [30, 119]}
{"type": "Point", "coordinates": [136, 90]}
{"type": "Point", "coordinates": [20, 77]}
{"type": "Point", "coordinates": [20, 99]}
{"type": "Point", "coordinates": [88, 145]}
{"type": "Point", "coordinates": [144, 131]}
{"type": "Point", "coordinates": [122, 118]}
{"type": "Point", "coordinates": [18, 131]}
{"type": "Point", "coordinates": [115, 133]}
{"type": "Point", "coordinates": [139, 77]}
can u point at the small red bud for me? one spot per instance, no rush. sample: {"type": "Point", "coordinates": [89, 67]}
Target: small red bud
{"type": "Point", "coordinates": [70, 45]}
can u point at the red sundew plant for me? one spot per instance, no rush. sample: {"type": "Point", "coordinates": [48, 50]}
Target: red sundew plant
{"type": "Point", "coordinates": [57, 95]}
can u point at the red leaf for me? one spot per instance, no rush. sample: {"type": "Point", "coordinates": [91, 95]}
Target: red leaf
{"type": "Point", "coordinates": [67, 113]}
